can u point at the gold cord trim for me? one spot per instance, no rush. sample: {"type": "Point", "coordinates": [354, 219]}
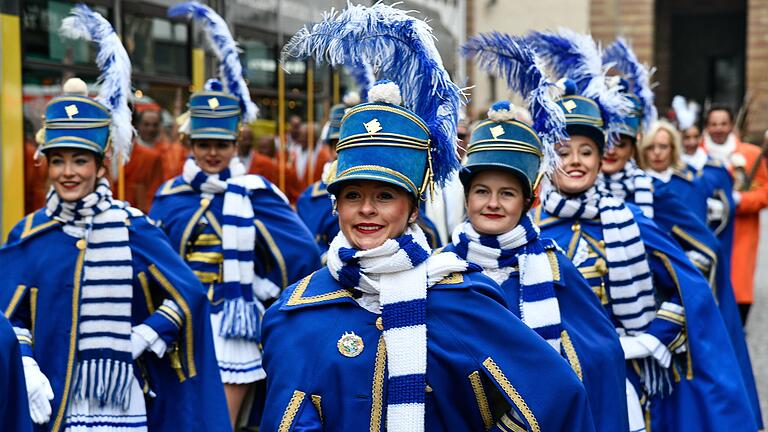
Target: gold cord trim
{"type": "Point", "coordinates": [298, 299]}
{"type": "Point", "coordinates": [290, 411]}
{"type": "Point", "coordinates": [570, 354]}
{"type": "Point", "coordinates": [377, 390]}
{"type": "Point", "coordinates": [189, 334]}
{"type": "Point", "coordinates": [512, 393]}
{"type": "Point", "coordinates": [482, 399]}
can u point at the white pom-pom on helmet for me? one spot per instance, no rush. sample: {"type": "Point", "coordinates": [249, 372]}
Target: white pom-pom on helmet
{"type": "Point", "coordinates": [385, 91]}
{"type": "Point", "coordinates": [502, 111]}
{"type": "Point", "coordinates": [351, 99]}
{"type": "Point", "coordinates": [75, 86]}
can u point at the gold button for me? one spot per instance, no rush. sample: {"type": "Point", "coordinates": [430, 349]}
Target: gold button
{"type": "Point", "coordinates": [379, 324]}
{"type": "Point", "coordinates": [576, 227]}
{"type": "Point", "coordinates": [80, 244]}
{"type": "Point", "coordinates": [204, 202]}
{"type": "Point", "coordinates": [602, 243]}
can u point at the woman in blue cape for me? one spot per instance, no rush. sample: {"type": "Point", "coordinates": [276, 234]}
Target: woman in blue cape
{"type": "Point", "coordinates": [112, 324]}
{"type": "Point", "coordinates": [675, 200]}
{"type": "Point", "coordinates": [387, 336]}
{"type": "Point", "coordinates": [542, 286]}
{"type": "Point", "coordinates": [237, 232]}
{"type": "Point", "coordinates": [14, 406]}
{"type": "Point", "coordinates": [679, 357]}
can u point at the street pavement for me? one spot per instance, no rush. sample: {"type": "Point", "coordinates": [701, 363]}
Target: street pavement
{"type": "Point", "coordinates": [757, 325]}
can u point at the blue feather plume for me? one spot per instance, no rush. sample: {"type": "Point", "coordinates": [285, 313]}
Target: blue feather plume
{"type": "Point", "coordinates": [621, 56]}
{"type": "Point", "coordinates": [403, 50]}
{"type": "Point", "coordinates": [226, 50]}
{"type": "Point", "coordinates": [115, 67]}
{"type": "Point", "coordinates": [577, 57]}
{"type": "Point", "coordinates": [513, 60]}
{"type": "Point", "coordinates": [364, 77]}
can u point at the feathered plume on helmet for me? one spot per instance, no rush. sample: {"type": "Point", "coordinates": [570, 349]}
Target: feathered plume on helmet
{"type": "Point", "coordinates": [364, 77]}
{"type": "Point", "coordinates": [621, 56]}
{"type": "Point", "coordinates": [577, 56]}
{"type": "Point", "coordinates": [687, 112]}
{"type": "Point", "coordinates": [403, 50]}
{"type": "Point", "coordinates": [226, 50]}
{"type": "Point", "coordinates": [513, 60]}
{"type": "Point", "coordinates": [115, 78]}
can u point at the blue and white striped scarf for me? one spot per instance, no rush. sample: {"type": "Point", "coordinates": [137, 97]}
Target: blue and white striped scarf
{"type": "Point", "coordinates": [104, 372]}
{"type": "Point", "coordinates": [631, 184]}
{"type": "Point", "coordinates": [631, 285]}
{"type": "Point", "coordinates": [241, 310]}
{"type": "Point", "coordinates": [399, 272]}
{"type": "Point", "coordinates": [539, 308]}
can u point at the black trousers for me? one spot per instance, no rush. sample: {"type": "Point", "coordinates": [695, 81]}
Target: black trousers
{"type": "Point", "coordinates": [744, 312]}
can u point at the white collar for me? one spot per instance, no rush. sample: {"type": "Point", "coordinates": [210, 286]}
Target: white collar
{"type": "Point", "coordinates": [696, 160]}
{"type": "Point", "coordinates": [663, 176]}
{"type": "Point", "coordinates": [720, 152]}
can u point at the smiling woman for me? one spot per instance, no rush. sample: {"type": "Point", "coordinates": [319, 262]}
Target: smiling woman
{"type": "Point", "coordinates": [74, 172]}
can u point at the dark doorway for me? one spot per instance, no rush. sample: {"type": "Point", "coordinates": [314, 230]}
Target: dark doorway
{"type": "Point", "coordinates": [701, 51]}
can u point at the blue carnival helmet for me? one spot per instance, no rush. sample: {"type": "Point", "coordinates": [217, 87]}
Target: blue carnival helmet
{"type": "Point", "coordinates": [76, 120]}
{"type": "Point", "coordinates": [506, 140]}
{"type": "Point", "coordinates": [381, 140]}
{"type": "Point", "coordinates": [593, 107]}
{"type": "Point", "coordinates": [635, 84]}
{"type": "Point", "coordinates": [334, 121]}
{"type": "Point", "coordinates": [216, 112]}
{"type": "Point", "coordinates": [412, 145]}
{"type": "Point", "coordinates": [582, 114]}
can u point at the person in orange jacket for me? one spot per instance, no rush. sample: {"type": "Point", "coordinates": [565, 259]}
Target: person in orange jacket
{"type": "Point", "coordinates": [750, 194]}
{"type": "Point", "coordinates": [264, 162]}
{"type": "Point", "coordinates": [172, 153]}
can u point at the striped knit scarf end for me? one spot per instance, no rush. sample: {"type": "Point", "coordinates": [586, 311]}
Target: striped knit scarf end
{"type": "Point", "coordinates": [240, 319]}
{"type": "Point", "coordinates": [105, 382]}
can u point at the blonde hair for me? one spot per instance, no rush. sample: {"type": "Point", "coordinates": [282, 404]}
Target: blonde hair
{"type": "Point", "coordinates": [647, 141]}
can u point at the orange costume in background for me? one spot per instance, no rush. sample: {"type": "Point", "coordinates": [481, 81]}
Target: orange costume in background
{"type": "Point", "coordinates": [143, 175]}
{"type": "Point", "coordinates": [35, 178]}
{"type": "Point", "coordinates": [173, 156]}
{"type": "Point", "coordinates": [268, 168]}
{"type": "Point", "coordinates": [740, 158]}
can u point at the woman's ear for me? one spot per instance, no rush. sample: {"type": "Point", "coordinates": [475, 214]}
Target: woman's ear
{"type": "Point", "coordinates": [101, 172]}
{"type": "Point", "coordinates": [414, 215]}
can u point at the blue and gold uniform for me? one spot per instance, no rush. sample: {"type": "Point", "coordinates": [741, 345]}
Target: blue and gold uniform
{"type": "Point", "coordinates": [43, 296]}
{"type": "Point", "coordinates": [391, 337]}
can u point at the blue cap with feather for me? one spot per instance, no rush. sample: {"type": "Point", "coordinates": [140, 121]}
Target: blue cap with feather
{"type": "Point", "coordinates": [505, 141]}
{"type": "Point", "coordinates": [216, 112]}
{"type": "Point", "coordinates": [595, 108]}
{"type": "Point", "coordinates": [81, 122]}
{"type": "Point", "coordinates": [410, 145]}
{"type": "Point", "coordinates": [635, 83]}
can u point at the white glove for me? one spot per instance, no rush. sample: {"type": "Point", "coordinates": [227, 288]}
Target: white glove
{"type": "Point", "coordinates": [143, 337]}
{"type": "Point", "coordinates": [715, 210]}
{"type": "Point", "coordinates": [699, 259]}
{"type": "Point", "coordinates": [633, 349]}
{"type": "Point", "coordinates": [138, 344]}
{"type": "Point", "coordinates": [39, 391]}
{"type": "Point", "coordinates": [736, 197]}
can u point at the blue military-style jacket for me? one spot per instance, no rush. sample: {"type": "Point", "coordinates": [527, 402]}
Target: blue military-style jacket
{"type": "Point", "coordinates": [40, 291]}
{"type": "Point", "coordinates": [14, 409]}
{"type": "Point", "coordinates": [486, 370]}
{"type": "Point", "coordinates": [589, 341]}
{"type": "Point", "coordinates": [708, 392]}
{"type": "Point", "coordinates": [285, 250]}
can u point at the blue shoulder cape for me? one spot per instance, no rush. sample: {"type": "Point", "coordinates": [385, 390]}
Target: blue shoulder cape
{"type": "Point", "coordinates": [40, 265]}
{"type": "Point", "coordinates": [482, 363]}
{"type": "Point", "coordinates": [709, 392]}
{"type": "Point", "coordinates": [290, 247]}
{"type": "Point", "coordinates": [14, 410]}
{"type": "Point", "coordinates": [590, 344]}
{"type": "Point", "coordinates": [680, 209]}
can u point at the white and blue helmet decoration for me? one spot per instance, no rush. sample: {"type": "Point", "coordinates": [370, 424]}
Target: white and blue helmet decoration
{"type": "Point", "coordinates": [406, 133]}
{"type": "Point", "coordinates": [506, 140]}
{"type": "Point", "coordinates": [217, 111]}
{"type": "Point", "coordinates": [635, 83]}
{"type": "Point", "coordinates": [104, 123]}
{"type": "Point", "coordinates": [593, 104]}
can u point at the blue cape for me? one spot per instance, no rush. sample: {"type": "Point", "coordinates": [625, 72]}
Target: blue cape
{"type": "Point", "coordinates": [14, 409]}
{"type": "Point", "coordinates": [709, 392]}
{"type": "Point", "coordinates": [481, 362]}
{"type": "Point", "coordinates": [40, 256]}
{"type": "Point", "coordinates": [595, 352]}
